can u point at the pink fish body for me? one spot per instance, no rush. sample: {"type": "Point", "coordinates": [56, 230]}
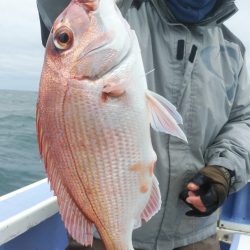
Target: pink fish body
{"type": "Point", "coordinates": [93, 122]}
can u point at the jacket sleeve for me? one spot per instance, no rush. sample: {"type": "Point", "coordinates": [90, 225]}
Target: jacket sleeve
{"type": "Point", "coordinates": [48, 12]}
{"type": "Point", "coordinates": [44, 31]}
{"type": "Point", "coordinates": [231, 148]}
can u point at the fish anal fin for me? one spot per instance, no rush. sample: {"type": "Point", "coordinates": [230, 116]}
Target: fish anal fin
{"type": "Point", "coordinates": [154, 203]}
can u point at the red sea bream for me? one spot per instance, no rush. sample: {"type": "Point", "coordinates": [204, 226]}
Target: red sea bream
{"type": "Point", "coordinates": [93, 123]}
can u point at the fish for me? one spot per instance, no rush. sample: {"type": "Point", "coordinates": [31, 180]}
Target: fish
{"type": "Point", "coordinates": [93, 118]}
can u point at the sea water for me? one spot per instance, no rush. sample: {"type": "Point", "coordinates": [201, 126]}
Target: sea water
{"type": "Point", "coordinates": [19, 158]}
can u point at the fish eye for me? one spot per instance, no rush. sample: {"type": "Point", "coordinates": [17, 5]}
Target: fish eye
{"type": "Point", "coordinates": [63, 38]}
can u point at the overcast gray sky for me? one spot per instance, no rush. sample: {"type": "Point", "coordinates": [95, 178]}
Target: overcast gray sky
{"type": "Point", "coordinates": [21, 52]}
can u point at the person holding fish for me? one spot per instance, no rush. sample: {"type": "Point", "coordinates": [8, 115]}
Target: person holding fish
{"type": "Point", "coordinates": [192, 63]}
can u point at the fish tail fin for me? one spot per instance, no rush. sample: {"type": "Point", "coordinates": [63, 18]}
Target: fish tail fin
{"type": "Point", "coordinates": [164, 116]}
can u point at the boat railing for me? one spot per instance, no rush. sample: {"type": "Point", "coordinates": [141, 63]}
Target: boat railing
{"type": "Point", "coordinates": [29, 218]}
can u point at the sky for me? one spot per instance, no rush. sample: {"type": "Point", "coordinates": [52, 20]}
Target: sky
{"type": "Point", "coordinates": [21, 51]}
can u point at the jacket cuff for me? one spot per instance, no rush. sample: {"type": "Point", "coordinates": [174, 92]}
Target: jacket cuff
{"type": "Point", "coordinates": [236, 180]}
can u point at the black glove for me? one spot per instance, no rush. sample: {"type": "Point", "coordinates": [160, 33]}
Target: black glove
{"type": "Point", "coordinates": [214, 183]}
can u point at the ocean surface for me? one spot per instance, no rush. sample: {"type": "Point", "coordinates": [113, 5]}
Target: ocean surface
{"type": "Point", "coordinates": [19, 158]}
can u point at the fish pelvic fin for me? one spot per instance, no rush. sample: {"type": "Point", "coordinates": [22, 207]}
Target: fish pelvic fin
{"type": "Point", "coordinates": [164, 116]}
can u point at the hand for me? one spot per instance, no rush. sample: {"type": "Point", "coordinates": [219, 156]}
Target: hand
{"type": "Point", "coordinates": [193, 198]}
{"type": "Point", "coordinates": [207, 190]}
{"type": "Point", "coordinates": [90, 5]}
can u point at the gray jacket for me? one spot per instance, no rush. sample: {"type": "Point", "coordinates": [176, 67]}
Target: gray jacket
{"type": "Point", "coordinates": [200, 69]}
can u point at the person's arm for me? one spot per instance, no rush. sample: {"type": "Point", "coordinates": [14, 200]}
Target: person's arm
{"type": "Point", "coordinates": [231, 148]}
{"type": "Point", "coordinates": [227, 158]}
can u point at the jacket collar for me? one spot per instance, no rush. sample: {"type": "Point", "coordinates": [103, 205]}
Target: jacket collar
{"type": "Point", "coordinates": [224, 10]}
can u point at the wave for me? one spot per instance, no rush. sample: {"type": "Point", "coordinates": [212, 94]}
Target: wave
{"type": "Point", "coordinates": [19, 157]}
{"type": "Point", "coordinates": [15, 118]}
{"type": "Point", "coordinates": [16, 122]}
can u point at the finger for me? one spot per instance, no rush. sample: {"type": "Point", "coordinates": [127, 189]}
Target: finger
{"type": "Point", "coordinates": [196, 202]}
{"type": "Point", "coordinates": [191, 193]}
{"type": "Point", "coordinates": [192, 186]}
{"type": "Point", "coordinates": [199, 179]}
{"type": "Point", "coordinates": [90, 5]}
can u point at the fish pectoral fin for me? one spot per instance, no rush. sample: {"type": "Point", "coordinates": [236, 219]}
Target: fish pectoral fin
{"type": "Point", "coordinates": [115, 87]}
{"type": "Point", "coordinates": [154, 203]}
{"type": "Point", "coordinates": [164, 116]}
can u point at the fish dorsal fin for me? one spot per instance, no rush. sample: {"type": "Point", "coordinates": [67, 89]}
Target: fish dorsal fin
{"type": "Point", "coordinates": [164, 116]}
{"type": "Point", "coordinates": [154, 203]}
{"type": "Point", "coordinates": [78, 226]}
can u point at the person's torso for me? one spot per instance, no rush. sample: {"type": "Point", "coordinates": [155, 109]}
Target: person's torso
{"type": "Point", "coordinates": [196, 69]}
